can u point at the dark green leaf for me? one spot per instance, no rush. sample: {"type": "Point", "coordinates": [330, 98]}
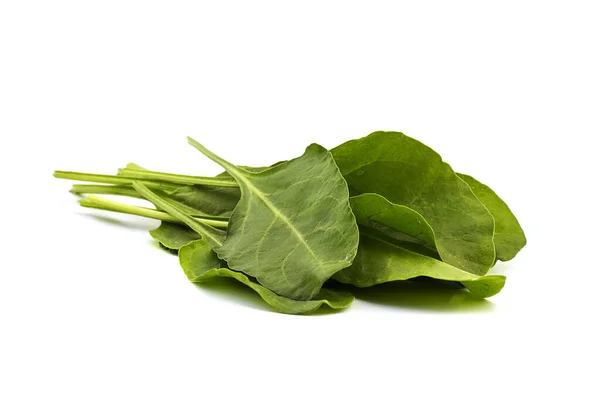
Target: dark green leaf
{"type": "Point", "coordinates": [408, 173]}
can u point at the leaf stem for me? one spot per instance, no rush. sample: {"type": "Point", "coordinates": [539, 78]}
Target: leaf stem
{"type": "Point", "coordinates": [177, 178]}
{"type": "Point", "coordinates": [97, 202]}
{"type": "Point", "coordinates": [212, 235]}
{"type": "Point", "coordinates": [134, 166]}
{"type": "Point", "coordinates": [106, 190]}
{"type": "Point", "coordinates": [108, 179]}
{"type": "Point", "coordinates": [229, 167]}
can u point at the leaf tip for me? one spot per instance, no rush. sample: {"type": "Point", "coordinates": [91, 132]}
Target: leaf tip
{"type": "Point", "coordinates": [192, 141]}
{"type": "Point", "coordinates": [487, 286]}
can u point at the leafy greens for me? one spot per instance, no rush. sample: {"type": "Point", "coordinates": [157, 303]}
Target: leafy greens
{"type": "Point", "coordinates": [378, 209]}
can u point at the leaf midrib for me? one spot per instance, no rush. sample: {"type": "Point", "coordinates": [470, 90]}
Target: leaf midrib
{"type": "Point", "coordinates": [277, 213]}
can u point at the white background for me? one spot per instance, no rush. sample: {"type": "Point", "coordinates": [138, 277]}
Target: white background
{"type": "Point", "coordinates": [90, 307]}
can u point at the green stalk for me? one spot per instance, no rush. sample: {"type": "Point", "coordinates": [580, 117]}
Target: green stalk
{"type": "Point", "coordinates": [108, 179]}
{"type": "Point", "coordinates": [176, 178]}
{"type": "Point", "coordinates": [132, 193]}
{"type": "Point", "coordinates": [231, 168]}
{"type": "Point", "coordinates": [213, 236]}
{"type": "Point", "coordinates": [105, 190]}
{"type": "Point", "coordinates": [97, 202]}
{"type": "Point", "coordinates": [134, 166]}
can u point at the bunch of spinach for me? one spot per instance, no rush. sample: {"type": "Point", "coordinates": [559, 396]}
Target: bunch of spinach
{"type": "Point", "coordinates": [374, 210]}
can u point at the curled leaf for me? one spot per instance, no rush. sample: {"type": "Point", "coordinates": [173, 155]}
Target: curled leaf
{"type": "Point", "coordinates": [397, 221]}
{"type": "Point", "coordinates": [408, 173]}
{"type": "Point", "coordinates": [174, 236]}
{"type": "Point", "coordinates": [509, 237]}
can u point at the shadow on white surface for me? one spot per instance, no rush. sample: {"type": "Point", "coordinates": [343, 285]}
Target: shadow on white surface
{"type": "Point", "coordinates": [502, 268]}
{"type": "Point", "coordinates": [223, 288]}
{"type": "Point", "coordinates": [232, 291]}
{"type": "Point", "coordinates": [422, 295]}
{"type": "Point", "coordinates": [401, 295]}
{"type": "Point", "coordinates": [135, 223]}
{"type": "Point", "coordinates": [428, 296]}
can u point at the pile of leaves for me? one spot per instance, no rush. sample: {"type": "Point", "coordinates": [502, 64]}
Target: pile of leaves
{"type": "Point", "coordinates": [373, 210]}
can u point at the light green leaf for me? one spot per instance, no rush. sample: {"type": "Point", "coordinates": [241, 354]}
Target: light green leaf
{"type": "Point", "coordinates": [200, 263]}
{"type": "Point", "coordinates": [508, 236]}
{"type": "Point", "coordinates": [379, 261]}
{"type": "Point", "coordinates": [293, 227]}
{"type": "Point", "coordinates": [174, 236]}
{"type": "Point", "coordinates": [408, 173]}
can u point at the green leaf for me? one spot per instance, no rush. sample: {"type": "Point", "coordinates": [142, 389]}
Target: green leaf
{"type": "Point", "coordinates": [174, 236]}
{"type": "Point", "coordinates": [200, 263]}
{"type": "Point", "coordinates": [293, 227]}
{"type": "Point", "coordinates": [379, 261]}
{"type": "Point", "coordinates": [408, 173]}
{"type": "Point", "coordinates": [508, 236]}
{"type": "Point", "coordinates": [208, 201]}
{"type": "Point", "coordinates": [399, 222]}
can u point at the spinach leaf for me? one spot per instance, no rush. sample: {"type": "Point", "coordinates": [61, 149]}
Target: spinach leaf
{"type": "Point", "coordinates": [208, 201]}
{"type": "Point", "coordinates": [398, 221]}
{"type": "Point", "coordinates": [200, 263]}
{"type": "Point", "coordinates": [509, 237]}
{"type": "Point", "coordinates": [174, 236]}
{"type": "Point", "coordinates": [379, 261]}
{"type": "Point", "coordinates": [284, 230]}
{"type": "Point", "coordinates": [408, 173]}
{"type": "Point", "coordinates": [293, 227]}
